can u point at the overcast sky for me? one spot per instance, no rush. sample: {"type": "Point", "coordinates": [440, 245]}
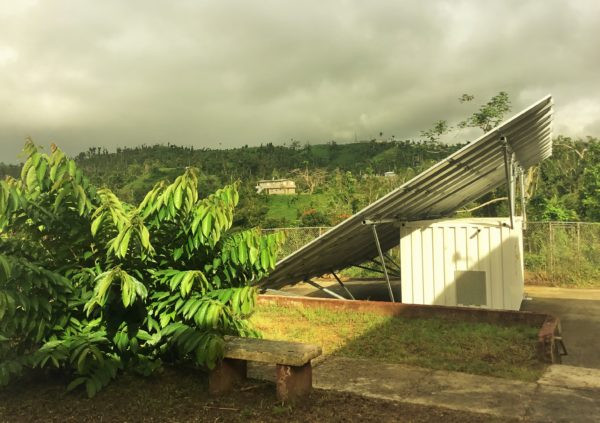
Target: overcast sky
{"type": "Point", "coordinates": [229, 73]}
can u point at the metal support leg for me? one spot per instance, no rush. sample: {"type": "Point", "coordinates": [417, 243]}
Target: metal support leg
{"type": "Point", "coordinates": [509, 181]}
{"type": "Point", "coordinates": [399, 271]}
{"type": "Point", "coordinates": [387, 278]}
{"type": "Point", "coordinates": [342, 284]}
{"type": "Point", "coordinates": [330, 292]}
{"type": "Point", "coordinates": [513, 185]}
{"type": "Point", "coordinates": [523, 198]}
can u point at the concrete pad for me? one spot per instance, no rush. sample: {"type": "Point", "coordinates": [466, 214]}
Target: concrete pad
{"type": "Point", "coordinates": [572, 377]}
{"type": "Point", "coordinates": [370, 378]}
{"type": "Point", "coordinates": [554, 404]}
{"type": "Point", "coordinates": [564, 293]}
{"type": "Point", "coordinates": [479, 394]}
{"type": "Point", "coordinates": [564, 393]}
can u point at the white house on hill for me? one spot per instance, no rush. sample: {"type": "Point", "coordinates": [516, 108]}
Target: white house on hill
{"type": "Point", "coordinates": [276, 186]}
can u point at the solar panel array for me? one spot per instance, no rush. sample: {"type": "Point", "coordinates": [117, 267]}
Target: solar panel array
{"type": "Point", "coordinates": [441, 190]}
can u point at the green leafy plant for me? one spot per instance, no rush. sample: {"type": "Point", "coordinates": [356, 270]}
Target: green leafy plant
{"type": "Point", "coordinates": [92, 285]}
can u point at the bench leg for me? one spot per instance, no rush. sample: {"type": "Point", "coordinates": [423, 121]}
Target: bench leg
{"type": "Point", "coordinates": [293, 382]}
{"type": "Point", "coordinates": [226, 375]}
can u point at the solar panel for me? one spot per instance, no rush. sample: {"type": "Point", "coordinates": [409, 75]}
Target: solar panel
{"type": "Point", "coordinates": [440, 191]}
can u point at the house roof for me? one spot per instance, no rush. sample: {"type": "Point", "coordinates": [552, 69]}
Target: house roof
{"type": "Point", "coordinates": [441, 190]}
{"type": "Point", "coordinates": [264, 181]}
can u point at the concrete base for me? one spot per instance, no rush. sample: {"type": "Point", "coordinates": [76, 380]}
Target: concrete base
{"type": "Point", "coordinates": [226, 375]}
{"type": "Point", "coordinates": [572, 377]}
{"type": "Point", "coordinates": [554, 404]}
{"type": "Point", "coordinates": [293, 382]}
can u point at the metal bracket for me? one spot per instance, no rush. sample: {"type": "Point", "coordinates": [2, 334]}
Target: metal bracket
{"type": "Point", "coordinates": [379, 221]}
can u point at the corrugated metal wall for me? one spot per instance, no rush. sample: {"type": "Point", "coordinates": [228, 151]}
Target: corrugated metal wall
{"type": "Point", "coordinates": [434, 256]}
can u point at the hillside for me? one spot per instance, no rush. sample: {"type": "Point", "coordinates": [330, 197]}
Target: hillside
{"type": "Point", "coordinates": [335, 180]}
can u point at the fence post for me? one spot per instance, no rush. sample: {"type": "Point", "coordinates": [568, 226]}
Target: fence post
{"type": "Point", "coordinates": [578, 246]}
{"type": "Point", "coordinates": [551, 250]}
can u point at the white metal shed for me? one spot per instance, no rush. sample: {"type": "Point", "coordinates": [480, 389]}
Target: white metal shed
{"type": "Point", "coordinates": [467, 262]}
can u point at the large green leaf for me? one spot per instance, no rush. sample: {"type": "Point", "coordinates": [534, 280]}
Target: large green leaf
{"type": "Point", "coordinates": [75, 279]}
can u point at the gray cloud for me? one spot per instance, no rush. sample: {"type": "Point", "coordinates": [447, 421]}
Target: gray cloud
{"type": "Point", "coordinates": [230, 73]}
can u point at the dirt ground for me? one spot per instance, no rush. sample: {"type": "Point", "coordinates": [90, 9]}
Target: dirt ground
{"type": "Point", "coordinates": [179, 395]}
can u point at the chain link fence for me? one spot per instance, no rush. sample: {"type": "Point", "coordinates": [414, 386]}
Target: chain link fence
{"type": "Point", "coordinates": [562, 253]}
{"type": "Point", "coordinates": [297, 237]}
{"type": "Point", "coordinates": [555, 253]}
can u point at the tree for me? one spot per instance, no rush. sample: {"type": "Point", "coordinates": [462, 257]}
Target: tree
{"type": "Point", "coordinates": [565, 185]}
{"type": "Point", "coordinates": [341, 191]}
{"type": "Point", "coordinates": [489, 115]}
{"type": "Point", "coordinates": [91, 285]}
{"type": "Point", "coordinates": [590, 193]}
{"type": "Point", "coordinates": [439, 128]}
{"type": "Point", "coordinates": [312, 217]}
{"type": "Point", "coordinates": [311, 178]}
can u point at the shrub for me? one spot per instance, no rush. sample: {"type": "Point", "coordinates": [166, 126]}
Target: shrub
{"type": "Point", "coordinates": [312, 217]}
{"type": "Point", "coordinates": [92, 285]}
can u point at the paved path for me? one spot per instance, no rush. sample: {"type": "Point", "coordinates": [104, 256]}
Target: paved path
{"type": "Point", "coordinates": [579, 314]}
{"type": "Point", "coordinates": [563, 394]}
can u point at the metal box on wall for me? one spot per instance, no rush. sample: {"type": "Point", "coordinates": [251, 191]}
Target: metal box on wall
{"type": "Point", "coordinates": [468, 262]}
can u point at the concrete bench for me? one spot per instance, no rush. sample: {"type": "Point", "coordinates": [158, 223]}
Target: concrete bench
{"type": "Point", "coordinates": [293, 374]}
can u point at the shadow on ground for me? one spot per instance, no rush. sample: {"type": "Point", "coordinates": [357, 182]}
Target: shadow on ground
{"type": "Point", "coordinates": [372, 290]}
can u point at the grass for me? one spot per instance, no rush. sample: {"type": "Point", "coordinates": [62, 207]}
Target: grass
{"type": "Point", "coordinates": [478, 348]}
{"type": "Point", "coordinates": [289, 207]}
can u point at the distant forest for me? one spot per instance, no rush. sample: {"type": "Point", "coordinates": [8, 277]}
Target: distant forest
{"type": "Point", "coordinates": [336, 180]}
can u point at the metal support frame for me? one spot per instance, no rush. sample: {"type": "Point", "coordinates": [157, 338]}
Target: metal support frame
{"type": "Point", "coordinates": [342, 285]}
{"type": "Point", "coordinates": [396, 265]}
{"type": "Point", "coordinates": [391, 271]}
{"type": "Point", "coordinates": [360, 266]}
{"type": "Point", "coordinates": [509, 171]}
{"type": "Point", "coordinates": [523, 198]}
{"type": "Point", "coordinates": [398, 268]}
{"type": "Point", "coordinates": [322, 288]}
{"type": "Point", "coordinates": [387, 278]}
{"type": "Point", "coordinates": [513, 184]}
